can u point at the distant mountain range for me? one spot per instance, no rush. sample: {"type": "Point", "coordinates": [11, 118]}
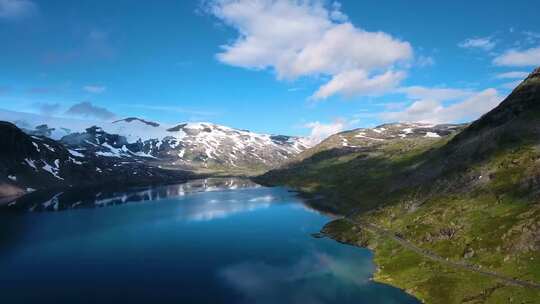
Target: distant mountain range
{"type": "Point", "coordinates": [44, 152]}
{"type": "Point", "coordinates": [364, 138]}
{"type": "Point", "coordinates": [57, 152]}
{"type": "Point", "coordinates": [193, 146]}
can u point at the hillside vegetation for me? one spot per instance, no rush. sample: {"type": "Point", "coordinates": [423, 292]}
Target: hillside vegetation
{"type": "Point", "coordinates": [471, 197]}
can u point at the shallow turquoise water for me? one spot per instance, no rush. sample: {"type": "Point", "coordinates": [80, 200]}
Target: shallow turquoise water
{"type": "Point", "coordinates": [248, 245]}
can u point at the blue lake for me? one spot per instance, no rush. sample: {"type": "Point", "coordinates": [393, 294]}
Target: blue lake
{"type": "Point", "coordinates": [205, 242]}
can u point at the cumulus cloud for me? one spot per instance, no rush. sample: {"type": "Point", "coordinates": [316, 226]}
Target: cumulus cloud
{"type": "Point", "coordinates": [358, 82]}
{"type": "Point", "coordinates": [95, 89]}
{"type": "Point", "coordinates": [16, 9]}
{"type": "Point", "coordinates": [320, 131]}
{"type": "Point", "coordinates": [483, 43]}
{"type": "Point", "coordinates": [307, 38]}
{"type": "Point", "coordinates": [513, 75]}
{"type": "Point", "coordinates": [435, 110]}
{"type": "Point", "coordinates": [527, 57]}
{"type": "Point", "coordinates": [88, 110]}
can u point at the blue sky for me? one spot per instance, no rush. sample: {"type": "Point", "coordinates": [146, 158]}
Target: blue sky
{"type": "Point", "coordinates": [273, 66]}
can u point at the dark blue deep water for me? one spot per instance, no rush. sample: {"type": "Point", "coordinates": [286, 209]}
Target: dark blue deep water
{"type": "Point", "coordinates": [244, 244]}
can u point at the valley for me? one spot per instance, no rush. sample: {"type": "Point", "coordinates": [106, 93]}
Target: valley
{"type": "Point", "coordinates": [450, 210]}
{"type": "Point", "coordinates": [269, 152]}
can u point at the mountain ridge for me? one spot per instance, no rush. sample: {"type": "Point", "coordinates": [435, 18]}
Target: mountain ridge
{"type": "Point", "coordinates": [196, 146]}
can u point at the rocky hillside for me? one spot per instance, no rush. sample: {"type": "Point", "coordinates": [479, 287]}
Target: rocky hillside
{"type": "Point", "coordinates": [470, 198]}
{"type": "Point", "coordinates": [363, 138]}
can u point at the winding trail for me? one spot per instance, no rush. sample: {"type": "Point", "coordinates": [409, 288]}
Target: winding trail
{"type": "Point", "coordinates": [432, 256]}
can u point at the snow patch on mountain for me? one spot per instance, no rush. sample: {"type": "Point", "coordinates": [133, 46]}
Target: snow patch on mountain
{"type": "Point", "coordinates": [193, 144]}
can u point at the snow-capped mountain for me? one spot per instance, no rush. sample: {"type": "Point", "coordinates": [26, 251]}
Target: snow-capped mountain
{"type": "Point", "coordinates": [397, 130]}
{"type": "Point", "coordinates": [193, 146]}
{"type": "Point", "coordinates": [209, 145]}
{"type": "Point", "coordinates": [31, 162]}
{"type": "Point", "coordinates": [370, 137]}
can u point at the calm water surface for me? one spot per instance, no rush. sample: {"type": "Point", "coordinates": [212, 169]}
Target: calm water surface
{"type": "Point", "coordinates": [220, 241]}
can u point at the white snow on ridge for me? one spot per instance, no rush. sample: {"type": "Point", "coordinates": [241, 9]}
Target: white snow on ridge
{"type": "Point", "coordinates": [30, 163]}
{"type": "Point", "coordinates": [53, 201]}
{"type": "Point", "coordinates": [431, 134]}
{"type": "Point", "coordinates": [75, 153]}
{"type": "Point", "coordinates": [53, 170]}
{"type": "Point", "coordinates": [142, 154]}
{"type": "Point", "coordinates": [137, 130]}
{"type": "Point", "coordinates": [108, 154]}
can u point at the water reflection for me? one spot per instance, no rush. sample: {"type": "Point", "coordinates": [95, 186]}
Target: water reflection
{"type": "Point", "coordinates": [210, 209]}
{"type": "Point", "coordinates": [318, 277]}
{"type": "Point", "coordinates": [103, 196]}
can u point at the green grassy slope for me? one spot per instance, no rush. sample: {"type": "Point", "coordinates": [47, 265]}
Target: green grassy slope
{"type": "Point", "coordinates": [471, 197]}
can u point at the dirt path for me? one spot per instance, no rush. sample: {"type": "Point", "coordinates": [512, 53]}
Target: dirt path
{"type": "Point", "coordinates": [430, 255]}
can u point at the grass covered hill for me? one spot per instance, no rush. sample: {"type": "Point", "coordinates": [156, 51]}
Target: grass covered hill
{"type": "Point", "coordinates": [468, 197]}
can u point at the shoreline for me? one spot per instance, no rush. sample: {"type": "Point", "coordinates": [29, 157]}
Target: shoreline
{"type": "Point", "coordinates": [311, 199]}
{"type": "Point", "coordinates": [426, 275]}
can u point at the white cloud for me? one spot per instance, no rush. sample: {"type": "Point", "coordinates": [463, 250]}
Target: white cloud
{"type": "Point", "coordinates": [513, 75]}
{"type": "Point", "coordinates": [483, 43]}
{"type": "Point", "coordinates": [16, 9]}
{"type": "Point", "coordinates": [435, 111]}
{"type": "Point", "coordinates": [358, 82]}
{"type": "Point", "coordinates": [419, 92]}
{"type": "Point", "coordinates": [95, 89]}
{"type": "Point", "coordinates": [527, 57]}
{"type": "Point", "coordinates": [305, 38]}
{"type": "Point", "coordinates": [320, 131]}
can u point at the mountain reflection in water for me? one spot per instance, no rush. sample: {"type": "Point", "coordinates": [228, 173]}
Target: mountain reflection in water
{"type": "Point", "coordinates": [102, 196]}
